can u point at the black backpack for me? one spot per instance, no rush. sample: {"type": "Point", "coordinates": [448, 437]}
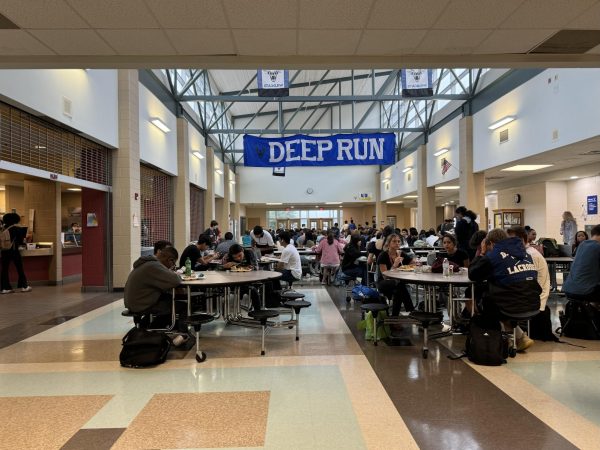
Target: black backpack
{"type": "Point", "coordinates": [550, 247]}
{"type": "Point", "coordinates": [142, 348]}
{"type": "Point", "coordinates": [540, 327]}
{"type": "Point", "coordinates": [580, 320]}
{"type": "Point", "coordinates": [486, 344]}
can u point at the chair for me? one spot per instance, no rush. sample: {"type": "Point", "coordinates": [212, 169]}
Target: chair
{"type": "Point", "coordinates": [514, 319]}
{"type": "Point", "coordinates": [425, 319]}
{"type": "Point", "coordinates": [294, 300]}
{"type": "Point", "coordinates": [196, 321]}
{"type": "Point", "coordinates": [350, 282]}
{"type": "Point", "coordinates": [328, 272]}
{"type": "Point", "coordinates": [374, 309]}
{"type": "Point", "coordinates": [263, 315]}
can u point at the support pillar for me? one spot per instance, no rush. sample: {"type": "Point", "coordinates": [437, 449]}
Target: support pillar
{"type": "Point", "coordinates": [380, 206]}
{"type": "Point", "coordinates": [126, 218]}
{"type": "Point", "coordinates": [426, 217]}
{"type": "Point", "coordinates": [209, 199]}
{"type": "Point", "coordinates": [235, 208]}
{"type": "Point", "coordinates": [181, 206]}
{"type": "Point", "coordinates": [472, 185]}
{"type": "Point", "coordinates": [226, 210]}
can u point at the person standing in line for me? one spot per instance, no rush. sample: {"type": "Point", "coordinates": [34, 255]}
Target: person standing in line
{"type": "Point", "coordinates": [213, 233]}
{"type": "Point", "coordinates": [568, 228]}
{"type": "Point", "coordinates": [12, 253]}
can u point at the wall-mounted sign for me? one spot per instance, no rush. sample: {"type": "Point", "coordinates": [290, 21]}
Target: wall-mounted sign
{"type": "Point", "coordinates": [92, 220]}
{"type": "Point", "coordinates": [364, 197]}
{"type": "Point", "coordinates": [592, 204]}
{"type": "Point", "coordinates": [336, 150]}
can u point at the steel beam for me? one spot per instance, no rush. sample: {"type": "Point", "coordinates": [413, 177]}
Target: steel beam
{"type": "Point", "coordinates": [314, 131]}
{"type": "Point", "coordinates": [315, 98]}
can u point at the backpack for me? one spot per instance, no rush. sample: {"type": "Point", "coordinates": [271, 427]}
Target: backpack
{"type": "Point", "coordinates": [580, 320]}
{"type": "Point", "coordinates": [550, 247]}
{"type": "Point", "coordinates": [143, 348]}
{"type": "Point", "coordinates": [486, 344]}
{"type": "Point", "coordinates": [6, 242]}
{"type": "Point", "coordinates": [365, 294]}
{"type": "Point", "coordinates": [540, 327]}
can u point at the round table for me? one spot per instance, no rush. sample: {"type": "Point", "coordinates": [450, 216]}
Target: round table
{"type": "Point", "coordinates": [434, 280]}
{"type": "Point", "coordinates": [553, 262]}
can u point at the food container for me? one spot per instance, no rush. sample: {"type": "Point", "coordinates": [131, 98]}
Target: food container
{"type": "Point", "coordinates": [31, 246]}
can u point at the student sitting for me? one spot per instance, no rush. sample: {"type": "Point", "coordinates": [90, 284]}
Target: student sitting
{"type": "Point", "coordinates": [583, 282]}
{"type": "Point", "coordinates": [391, 258]}
{"type": "Point", "coordinates": [350, 264]}
{"type": "Point", "coordinates": [198, 254]}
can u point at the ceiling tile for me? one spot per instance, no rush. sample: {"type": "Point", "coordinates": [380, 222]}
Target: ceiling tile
{"type": "Point", "coordinates": [405, 14]}
{"type": "Point", "coordinates": [73, 42]}
{"type": "Point", "coordinates": [112, 14]}
{"type": "Point", "coordinates": [590, 19]}
{"type": "Point", "coordinates": [326, 42]}
{"type": "Point", "coordinates": [334, 14]}
{"type": "Point", "coordinates": [513, 41]}
{"type": "Point", "coordinates": [48, 14]}
{"type": "Point", "coordinates": [451, 41]}
{"type": "Point", "coordinates": [138, 42]}
{"type": "Point", "coordinates": [188, 14]}
{"type": "Point", "coordinates": [202, 42]}
{"type": "Point", "coordinates": [261, 14]}
{"type": "Point", "coordinates": [390, 42]}
{"type": "Point", "coordinates": [476, 14]}
{"type": "Point", "coordinates": [265, 42]}
{"type": "Point", "coordinates": [546, 13]}
{"type": "Point", "coordinates": [19, 42]}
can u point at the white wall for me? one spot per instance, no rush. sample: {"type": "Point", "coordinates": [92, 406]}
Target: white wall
{"type": "Point", "coordinates": [219, 179]}
{"type": "Point", "coordinates": [400, 183]}
{"type": "Point", "coordinates": [231, 186]}
{"type": "Point", "coordinates": [446, 137]}
{"type": "Point", "coordinates": [93, 94]}
{"type": "Point", "coordinates": [156, 147]}
{"type": "Point", "coordinates": [565, 100]}
{"type": "Point", "coordinates": [197, 169]}
{"type": "Point", "coordinates": [577, 192]}
{"type": "Point", "coordinates": [334, 184]}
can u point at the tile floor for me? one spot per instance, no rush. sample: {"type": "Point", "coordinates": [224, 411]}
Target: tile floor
{"type": "Point", "coordinates": [61, 385]}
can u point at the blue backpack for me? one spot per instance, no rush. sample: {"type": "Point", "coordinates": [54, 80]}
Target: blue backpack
{"type": "Point", "coordinates": [363, 293]}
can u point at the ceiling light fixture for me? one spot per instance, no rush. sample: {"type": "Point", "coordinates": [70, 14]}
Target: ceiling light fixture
{"type": "Point", "coordinates": [407, 169]}
{"type": "Point", "coordinates": [159, 124]}
{"type": "Point", "coordinates": [447, 188]}
{"type": "Point", "coordinates": [385, 180]}
{"type": "Point", "coordinates": [441, 151]}
{"type": "Point", "coordinates": [274, 204]}
{"type": "Point", "coordinates": [232, 181]}
{"type": "Point", "coordinates": [219, 171]}
{"type": "Point", "coordinates": [494, 192]}
{"type": "Point", "coordinates": [74, 189]}
{"type": "Point", "coordinates": [333, 203]}
{"type": "Point", "coordinates": [526, 167]}
{"type": "Point", "coordinates": [394, 202]}
{"type": "Point", "coordinates": [411, 196]}
{"type": "Point", "coordinates": [503, 121]}
{"type": "Point", "coordinates": [574, 177]}
{"type": "Point", "coordinates": [197, 154]}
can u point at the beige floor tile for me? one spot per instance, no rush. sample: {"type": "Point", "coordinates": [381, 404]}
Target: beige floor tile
{"type": "Point", "coordinates": [219, 419]}
{"type": "Point", "coordinates": [45, 422]}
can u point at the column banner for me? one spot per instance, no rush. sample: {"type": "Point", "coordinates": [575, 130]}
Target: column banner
{"type": "Point", "coordinates": [336, 150]}
{"type": "Point", "coordinates": [417, 82]}
{"type": "Point", "coordinates": [273, 83]}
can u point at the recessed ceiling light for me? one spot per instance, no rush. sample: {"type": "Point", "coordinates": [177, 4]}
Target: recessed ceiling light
{"type": "Point", "coordinates": [333, 203]}
{"type": "Point", "coordinates": [340, 206]}
{"type": "Point", "coordinates": [394, 202]}
{"type": "Point", "coordinates": [447, 188]}
{"type": "Point", "coordinates": [159, 124]}
{"type": "Point", "coordinates": [503, 121]}
{"type": "Point", "coordinates": [407, 169]}
{"type": "Point", "coordinates": [74, 189]}
{"type": "Point", "coordinates": [198, 155]}
{"type": "Point", "coordinates": [411, 196]}
{"type": "Point", "coordinates": [275, 204]}
{"type": "Point", "coordinates": [441, 151]}
{"type": "Point", "coordinates": [574, 177]}
{"type": "Point", "coordinates": [526, 167]}
{"type": "Point", "coordinates": [494, 192]}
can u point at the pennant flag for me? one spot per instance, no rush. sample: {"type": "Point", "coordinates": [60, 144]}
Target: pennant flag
{"type": "Point", "coordinates": [279, 171]}
{"type": "Point", "coordinates": [445, 166]}
{"type": "Point", "coordinates": [417, 82]}
{"type": "Point", "coordinates": [273, 83]}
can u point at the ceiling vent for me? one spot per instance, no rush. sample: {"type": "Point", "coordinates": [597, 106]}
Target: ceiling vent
{"type": "Point", "coordinates": [67, 107]}
{"type": "Point", "coordinates": [569, 42]}
{"type": "Point", "coordinates": [7, 24]}
{"type": "Point", "coordinates": [504, 136]}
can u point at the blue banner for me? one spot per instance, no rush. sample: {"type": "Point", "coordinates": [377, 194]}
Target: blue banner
{"type": "Point", "coordinates": [303, 150]}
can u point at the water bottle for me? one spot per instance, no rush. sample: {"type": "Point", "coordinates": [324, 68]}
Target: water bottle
{"type": "Point", "coordinates": [446, 268]}
{"type": "Point", "coordinates": [188, 267]}
{"type": "Point", "coordinates": [418, 266]}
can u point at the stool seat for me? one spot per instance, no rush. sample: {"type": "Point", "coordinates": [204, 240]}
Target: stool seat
{"type": "Point", "coordinates": [291, 295]}
{"type": "Point", "coordinates": [519, 316]}
{"type": "Point", "coordinates": [423, 316]}
{"type": "Point", "coordinates": [297, 304]}
{"type": "Point", "coordinates": [345, 277]}
{"type": "Point", "coordinates": [374, 307]}
{"type": "Point", "coordinates": [263, 314]}
{"type": "Point", "coordinates": [199, 319]}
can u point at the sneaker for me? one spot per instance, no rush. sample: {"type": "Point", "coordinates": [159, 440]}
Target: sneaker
{"type": "Point", "coordinates": [179, 340]}
{"type": "Point", "coordinates": [524, 343]}
{"type": "Point", "coordinates": [6, 291]}
{"type": "Point", "coordinates": [26, 289]}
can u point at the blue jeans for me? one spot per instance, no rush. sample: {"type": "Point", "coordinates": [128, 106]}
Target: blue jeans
{"type": "Point", "coordinates": [287, 276]}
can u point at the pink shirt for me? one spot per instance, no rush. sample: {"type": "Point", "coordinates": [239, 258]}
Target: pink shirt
{"type": "Point", "coordinates": [330, 254]}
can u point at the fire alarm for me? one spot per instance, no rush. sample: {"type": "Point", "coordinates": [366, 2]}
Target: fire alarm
{"type": "Point", "coordinates": [136, 196]}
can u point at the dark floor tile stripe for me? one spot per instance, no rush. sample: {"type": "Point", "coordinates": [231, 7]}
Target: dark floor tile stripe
{"type": "Point", "coordinates": [93, 439]}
